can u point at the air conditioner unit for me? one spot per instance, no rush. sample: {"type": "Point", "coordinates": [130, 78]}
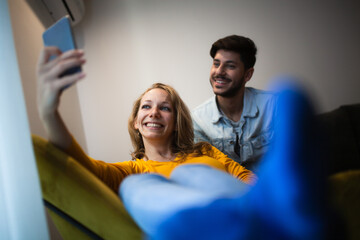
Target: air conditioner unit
{"type": "Point", "coordinates": [49, 11]}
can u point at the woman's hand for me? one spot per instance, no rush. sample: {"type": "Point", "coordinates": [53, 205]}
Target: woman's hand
{"type": "Point", "coordinates": [50, 86]}
{"type": "Point", "coordinates": [49, 83]}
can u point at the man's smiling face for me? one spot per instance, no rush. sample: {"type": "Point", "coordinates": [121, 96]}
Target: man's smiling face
{"type": "Point", "coordinates": [228, 75]}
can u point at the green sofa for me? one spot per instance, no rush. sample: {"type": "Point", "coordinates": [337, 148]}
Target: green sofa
{"type": "Point", "coordinates": [341, 129]}
{"type": "Point", "coordinates": [82, 207]}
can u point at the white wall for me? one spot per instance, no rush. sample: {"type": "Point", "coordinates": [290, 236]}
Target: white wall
{"type": "Point", "coordinates": [131, 44]}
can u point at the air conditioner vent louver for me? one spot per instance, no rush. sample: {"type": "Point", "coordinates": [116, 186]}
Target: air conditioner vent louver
{"type": "Point", "coordinates": [49, 11]}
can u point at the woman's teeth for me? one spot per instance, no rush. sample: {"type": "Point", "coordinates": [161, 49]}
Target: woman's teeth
{"type": "Point", "coordinates": [153, 125]}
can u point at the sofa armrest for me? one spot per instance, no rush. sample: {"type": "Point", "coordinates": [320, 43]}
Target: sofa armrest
{"type": "Point", "coordinates": [341, 128]}
{"type": "Point", "coordinates": [345, 198]}
{"type": "Point", "coordinates": [81, 195]}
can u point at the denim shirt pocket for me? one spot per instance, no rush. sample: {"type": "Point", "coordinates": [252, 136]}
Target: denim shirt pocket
{"type": "Point", "coordinates": [218, 143]}
{"type": "Point", "coordinates": [263, 139]}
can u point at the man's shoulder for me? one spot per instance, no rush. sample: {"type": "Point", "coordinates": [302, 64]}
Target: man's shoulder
{"type": "Point", "coordinates": [264, 101]}
{"type": "Point", "coordinates": [261, 93]}
{"type": "Point", "coordinates": [206, 106]}
{"type": "Point", "coordinates": [261, 96]}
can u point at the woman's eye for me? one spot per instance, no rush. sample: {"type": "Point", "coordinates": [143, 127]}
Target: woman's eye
{"type": "Point", "coordinates": [166, 109]}
{"type": "Point", "coordinates": [145, 107]}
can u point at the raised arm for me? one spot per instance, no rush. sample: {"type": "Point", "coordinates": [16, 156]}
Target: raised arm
{"type": "Point", "coordinates": [50, 87]}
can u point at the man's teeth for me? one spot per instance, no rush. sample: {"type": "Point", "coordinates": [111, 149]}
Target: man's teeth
{"type": "Point", "coordinates": [220, 81]}
{"type": "Point", "coordinates": [153, 125]}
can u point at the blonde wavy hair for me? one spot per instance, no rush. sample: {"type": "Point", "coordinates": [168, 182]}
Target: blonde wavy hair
{"type": "Point", "coordinates": [183, 138]}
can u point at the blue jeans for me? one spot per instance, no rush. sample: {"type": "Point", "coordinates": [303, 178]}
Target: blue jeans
{"type": "Point", "coordinates": [152, 198]}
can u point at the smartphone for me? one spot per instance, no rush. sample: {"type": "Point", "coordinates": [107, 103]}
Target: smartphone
{"type": "Point", "coordinates": [60, 35]}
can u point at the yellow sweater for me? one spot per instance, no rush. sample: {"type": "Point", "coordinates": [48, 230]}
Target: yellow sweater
{"type": "Point", "coordinates": [113, 173]}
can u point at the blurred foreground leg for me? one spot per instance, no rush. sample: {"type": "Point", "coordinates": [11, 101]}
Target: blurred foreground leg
{"type": "Point", "coordinates": [152, 198]}
{"type": "Point", "coordinates": [288, 200]}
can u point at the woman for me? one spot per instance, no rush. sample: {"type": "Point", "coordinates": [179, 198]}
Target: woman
{"type": "Point", "coordinates": [185, 196]}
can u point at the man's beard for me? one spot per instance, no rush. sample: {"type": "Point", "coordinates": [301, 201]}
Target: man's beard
{"type": "Point", "coordinates": [232, 91]}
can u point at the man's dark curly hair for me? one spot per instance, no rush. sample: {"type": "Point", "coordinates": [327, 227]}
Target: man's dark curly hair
{"type": "Point", "coordinates": [239, 44]}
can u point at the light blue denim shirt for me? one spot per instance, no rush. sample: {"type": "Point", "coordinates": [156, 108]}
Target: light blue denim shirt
{"type": "Point", "coordinates": [255, 129]}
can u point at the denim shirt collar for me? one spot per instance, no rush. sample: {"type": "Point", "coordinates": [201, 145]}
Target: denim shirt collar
{"type": "Point", "coordinates": [250, 109]}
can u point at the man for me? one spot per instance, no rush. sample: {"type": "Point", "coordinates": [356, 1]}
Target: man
{"type": "Point", "coordinates": [238, 120]}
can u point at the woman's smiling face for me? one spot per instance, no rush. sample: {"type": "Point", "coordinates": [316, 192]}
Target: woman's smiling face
{"type": "Point", "coordinates": [155, 119]}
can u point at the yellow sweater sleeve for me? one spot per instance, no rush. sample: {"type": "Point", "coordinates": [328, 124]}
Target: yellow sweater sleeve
{"type": "Point", "coordinates": [110, 173]}
{"type": "Point", "coordinates": [234, 168]}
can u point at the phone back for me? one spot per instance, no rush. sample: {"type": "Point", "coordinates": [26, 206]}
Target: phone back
{"type": "Point", "coordinates": [60, 35]}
